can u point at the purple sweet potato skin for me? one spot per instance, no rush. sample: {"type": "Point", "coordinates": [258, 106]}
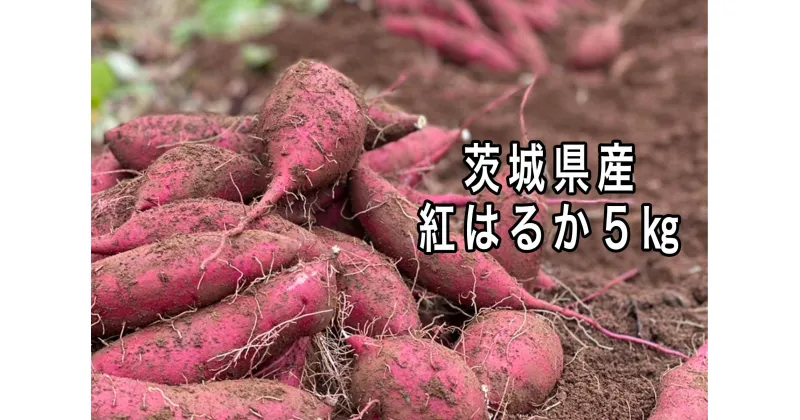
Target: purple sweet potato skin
{"type": "Point", "coordinates": [106, 171]}
{"type": "Point", "coordinates": [304, 211]}
{"type": "Point", "coordinates": [123, 398]}
{"type": "Point", "coordinates": [339, 216]}
{"type": "Point", "coordinates": [597, 46]}
{"type": "Point", "coordinates": [382, 303]}
{"type": "Point", "coordinates": [512, 347]}
{"type": "Point", "coordinates": [472, 279]}
{"type": "Point", "coordinates": [314, 124]}
{"type": "Point", "coordinates": [388, 123]}
{"type": "Point", "coordinates": [132, 288]}
{"type": "Point", "coordinates": [200, 171]}
{"type": "Point", "coordinates": [405, 159]}
{"type": "Point", "coordinates": [684, 390]}
{"type": "Point", "coordinates": [294, 213]}
{"type": "Point", "coordinates": [457, 43]}
{"type": "Point", "coordinates": [414, 378]}
{"type": "Point", "coordinates": [288, 367]}
{"type": "Point", "coordinates": [139, 142]}
{"type": "Point", "coordinates": [524, 266]}
{"type": "Point", "coordinates": [184, 217]}
{"type": "Point", "coordinates": [456, 11]}
{"type": "Point", "coordinates": [189, 348]}
{"type": "Point", "coordinates": [542, 15]}
{"type": "Point", "coordinates": [511, 22]}
{"type": "Point", "coordinates": [112, 207]}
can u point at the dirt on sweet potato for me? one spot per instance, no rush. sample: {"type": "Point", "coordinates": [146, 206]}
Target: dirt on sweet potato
{"type": "Point", "coordinates": [655, 96]}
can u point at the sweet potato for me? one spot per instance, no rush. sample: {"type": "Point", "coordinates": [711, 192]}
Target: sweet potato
{"type": "Point", "coordinates": [419, 197]}
{"type": "Point", "coordinates": [317, 208]}
{"type": "Point", "coordinates": [414, 378]}
{"type": "Point", "coordinates": [112, 207]}
{"type": "Point", "coordinates": [457, 11]}
{"type": "Point", "coordinates": [461, 200]}
{"type": "Point", "coordinates": [517, 354]}
{"type": "Point", "coordinates": [288, 367]}
{"type": "Point", "coordinates": [135, 287]}
{"type": "Point", "coordinates": [184, 217]}
{"type": "Point", "coordinates": [200, 171]}
{"type": "Point", "coordinates": [339, 217]}
{"type": "Point", "coordinates": [541, 15]}
{"type": "Point", "coordinates": [410, 157]}
{"type": "Point", "coordinates": [303, 210]}
{"type": "Point", "coordinates": [596, 46]}
{"type": "Point", "coordinates": [106, 171]}
{"type": "Point", "coordinates": [684, 390]}
{"type": "Point", "coordinates": [526, 267]}
{"type": "Point", "coordinates": [314, 122]}
{"type": "Point", "coordinates": [382, 303]}
{"type": "Point", "coordinates": [388, 123]}
{"type": "Point", "coordinates": [123, 398]}
{"type": "Point", "coordinates": [139, 142]}
{"type": "Point", "coordinates": [295, 214]}
{"type": "Point", "coordinates": [391, 222]}
{"type": "Point", "coordinates": [464, 278]}
{"type": "Point", "coordinates": [232, 338]}
{"type": "Point", "coordinates": [600, 43]}
{"type": "Point", "coordinates": [516, 34]}
{"type": "Point", "coordinates": [459, 44]}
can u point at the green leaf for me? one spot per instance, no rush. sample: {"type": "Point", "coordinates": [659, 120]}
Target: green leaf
{"type": "Point", "coordinates": [103, 81]}
{"type": "Point", "coordinates": [256, 56]}
{"type": "Point", "coordinates": [184, 30]}
{"type": "Point", "coordinates": [307, 7]}
{"type": "Point", "coordinates": [236, 19]}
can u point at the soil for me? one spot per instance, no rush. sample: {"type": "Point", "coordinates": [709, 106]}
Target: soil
{"type": "Point", "coordinates": [655, 96]}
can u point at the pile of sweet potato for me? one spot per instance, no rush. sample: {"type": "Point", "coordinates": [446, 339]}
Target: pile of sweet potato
{"type": "Point", "coordinates": [504, 35]}
{"type": "Point", "coordinates": [266, 266]}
